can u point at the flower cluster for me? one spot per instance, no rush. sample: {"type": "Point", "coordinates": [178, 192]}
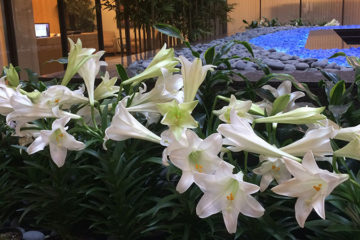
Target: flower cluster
{"type": "Point", "coordinates": [201, 161]}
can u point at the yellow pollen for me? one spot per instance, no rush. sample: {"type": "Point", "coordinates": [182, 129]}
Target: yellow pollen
{"type": "Point", "coordinates": [318, 187]}
{"type": "Point", "coordinates": [230, 197]}
{"type": "Point", "coordinates": [199, 168]}
{"type": "Point", "coordinates": [57, 100]}
{"type": "Point", "coordinates": [275, 168]}
{"type": "Point", "coordinates": [61, 135]}
{"type": "Point", "coordinates": [6, 82]}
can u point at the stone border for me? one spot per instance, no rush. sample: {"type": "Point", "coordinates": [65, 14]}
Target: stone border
{"type": "Point", "coordinates": [277, 61]}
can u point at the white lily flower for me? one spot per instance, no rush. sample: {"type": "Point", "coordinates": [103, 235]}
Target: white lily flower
{"type": "Point", "coordinates": [6, 93]}
{"type": "Point", "coordinates": [59, 142]}
{"type": "Point", "coordinates": [301, 115]}
{"type": "Point", "coordinates": [106, 88]}
{"type": "Point", "coordinates": [61, 96]}
{"type": "Point", "coordinates": [77, 57]}
{"type": "Point", "coordinates": [351, 150]}
{"type": "Point", "coordinates": [227, 193]}
{"type": "Point", "coordinates": [169, 140]}
{"type": "Point", "coordinates": [315, 140]}
{"type": "Point", "coordinates": [270, 169]}
{"type": "Point", "coordinates": [241, 137]}
{"type": "Point", "coordinates": [283, 89]}
{"type": "Point", "coordinates": [347, 134]}
{"type": "Point", "coordinates": [311, 185]}
{"type": "Point", "coordinates": [89, 70]}
{"type": "Point", "coordinates": [124, 126]}
{"type": "Point", "coordinates": [167, 88]}
{"type": "Point", "coordinates": [26, 111]}
{"type": "Point", "coordinates": [178, 116]}
{"type": "Point", "coordinates": [197, 156]}
{"type": "Point", "coordinates": [193, 74]}
{"type": "Point", "coordinates": [165, 58]}
{"type": "Point", "coordinates": [240, 107]}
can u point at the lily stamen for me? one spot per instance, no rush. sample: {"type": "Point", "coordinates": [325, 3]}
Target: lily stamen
{"type": "Point", "coordinates": [230, 197]}
{"type": "Point", "coordinates": [318, 187]}
{"type": "Point", "coordinates": [199, 168]}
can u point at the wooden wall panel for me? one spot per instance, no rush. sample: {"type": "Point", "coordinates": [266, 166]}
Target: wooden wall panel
{"type": "Point", "coordinates": [319, 11]}
{"type": "Point", "coordinates": [284, 10]}
{"type": "Point", "coordinates": [244, 9]}
{"type": "Point", "coordinates": [3, 51]}
{"type": "Point", "coordinates": [45, 11]}
{"type": "Point", "coordinates": [352, 12]}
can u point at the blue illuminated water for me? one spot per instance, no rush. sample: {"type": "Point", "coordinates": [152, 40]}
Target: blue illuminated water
{"type": "Point", "coordinates": [293, 42]}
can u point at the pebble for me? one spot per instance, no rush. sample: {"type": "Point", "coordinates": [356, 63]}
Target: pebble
{"type": "Point", "coordinates": [289, 67]}
{"type": "Point", "coordinates": [33, 235]}
{"type": "Point", "coordinates": [276, 60]}
{"type": "Point", "coordinates": [322, 63]}
{"type": "Point", "coordinates": [275, 65]}
{"type": "Point", "coordinates": [301, 66]}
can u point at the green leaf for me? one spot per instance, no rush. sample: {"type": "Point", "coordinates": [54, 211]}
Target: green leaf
{"type": "Point", "coordinates": [338, 54]}
{"type": "Point", "coordinates": [169, 30]}
{"type": "Point", "coordinates": [330, 76]}
{"type": "Point", "coordinates": [337, 92]}
{"type": "Point", "coordinates": [247, 46]}
{"type": "Point", "coordinates": [209, 55]}
{"type": "Point", "coordinates": [353, 61]}
{"type": "Point", "coordinates": [194, 53]}
{"type": "Point", "coordinates": [122, 72]}
{"type": "Point", "coordinates": [280, 104]}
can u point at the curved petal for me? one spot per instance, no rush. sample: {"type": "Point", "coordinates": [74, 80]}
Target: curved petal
{"type": "Point", "coordinates": [71, 143]}
{"type": "Point", "coordinates": [309, 163]}
{"type": "Point", "coordinates": [266, 179]}
{"type": "Point", "coordinates": [185, 182]}
{"type": "Point", "coordinates": [251, 207]}
{"type": "Point", "coordinates": [302, 211]}
{"type": "Point", "coordinates": [38, 145]}
{"type": "Point", "coordinates": [208, 205]}
{"type": "Point", "coordinates": [58, 154]}
{"type": "Point", "coordinates": [319, 205]}
{"type": "Point", "coordinates": [230, 219]}
{"type": "Point", "coordinates": [212, 144]}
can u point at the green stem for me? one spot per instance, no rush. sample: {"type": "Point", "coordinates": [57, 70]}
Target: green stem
{"type": "Point", "coordinates": [89, 129]}
{"type": "Point", "coordinates": [347, 168]}
{"type": "Point", "coordinates": [334, 162]}
{"type": "Point", "coordinates": [229, 154]}
{"type": "Point", "coordinates": [93, 117]}
{"type": "Point", "coordinates": [268, 129]}
{"type": "Point", "coordinates": [119, 96]}
{"type": "Point", "coordinates": [246, 154]}
{"type": "Point", "coordinates": [211, 119]}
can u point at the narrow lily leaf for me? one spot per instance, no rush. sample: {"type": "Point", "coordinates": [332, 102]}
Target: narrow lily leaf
{"type": "Point", "coordinates": [353, 61]}
{"type": "Point", "coordinates": [194, 53]}
{"type": "Point", "coordinates": [338, 54]}
{"type": "Point", "coordinates": [247, 46]}
{"type": "Point", "coordinates": [122, 72]}
{"type": "Point", "coordinates": [337, 92]}
{"type": "Point", "coordinates": [280, 104]}
{"type": "Point", "coordinates": [209, 55]}
{"type": "Point", "coordinates": [169, 30]}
